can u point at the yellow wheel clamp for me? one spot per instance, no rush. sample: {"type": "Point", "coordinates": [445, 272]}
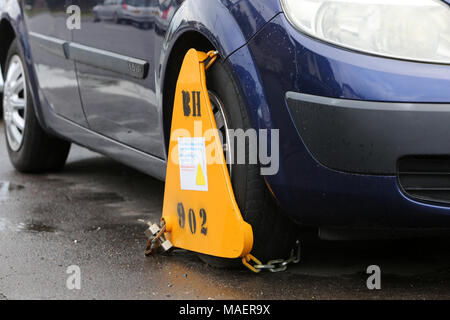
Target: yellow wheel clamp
{"type": "Point", "coordinates": [200, 212]}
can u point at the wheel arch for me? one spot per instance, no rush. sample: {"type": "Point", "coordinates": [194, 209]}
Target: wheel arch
{"type": "Point", "coordinates": [187, 41]}
{"type": "Point", "coordinates": [7, 36]}
{"type": "Point", "coordinates": [192, 27]}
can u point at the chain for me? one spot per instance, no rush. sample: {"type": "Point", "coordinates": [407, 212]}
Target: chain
{"type": "Point", "coordinates": [157, 242]}
{"type": "Point", "coordinates": [276, 265]}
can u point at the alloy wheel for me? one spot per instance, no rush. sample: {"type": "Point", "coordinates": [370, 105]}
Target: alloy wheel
{"type": "Point", "coordinates": [15, 103]}
{"type": "Point", "coordinates": [222, 127]}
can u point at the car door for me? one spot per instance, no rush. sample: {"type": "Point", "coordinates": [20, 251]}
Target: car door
{"type": "Point", "coordinates": [116, 73]}
{"type": "Point", "coordinates": [48, 36]}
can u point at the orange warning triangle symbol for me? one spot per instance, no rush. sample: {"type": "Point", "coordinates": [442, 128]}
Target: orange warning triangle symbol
{"type": "Point", "coordinates": [200, 180]}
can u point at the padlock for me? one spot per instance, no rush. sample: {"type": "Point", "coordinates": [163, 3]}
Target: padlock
{"type": "Point", "coordinates": [165, 246]}
{"type": "Point", "coordinates": [152, 230]}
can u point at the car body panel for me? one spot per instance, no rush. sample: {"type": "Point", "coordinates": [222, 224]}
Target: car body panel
{"type": "Point", "coordinates": [254, 14]}
{"type": "Point", "coordinates": [117, 105]}
{"type": "Point", "coordinates": [46, 26]}
{"type": "Point", "coordinates": [268, 58]}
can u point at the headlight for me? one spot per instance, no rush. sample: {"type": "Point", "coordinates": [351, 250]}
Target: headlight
{"type": "Point", "coordinates": [406, 29]}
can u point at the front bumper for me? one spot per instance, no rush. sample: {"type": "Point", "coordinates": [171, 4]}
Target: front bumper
{"type": "Point", "coordinates": [344, 120]}
{"type": "Point", "coordinates": [369, 137]}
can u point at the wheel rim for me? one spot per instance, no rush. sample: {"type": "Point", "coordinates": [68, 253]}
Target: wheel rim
{"type": "Point", "coordinates": [222, 126]}
{"type": "Point", "coordinates": [14, 103]}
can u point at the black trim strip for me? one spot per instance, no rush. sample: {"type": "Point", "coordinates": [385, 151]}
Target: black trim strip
{"type": "Point", "coordinates": [103, 59]}
{"type": "Point", "coordinates": [366, 136]}
{"type": "Point", "coordinates": [369, 105]}
{"type": "Point", "coordinates": [53, 45]}
{"type": "Point", "coordinates": [133, 67]}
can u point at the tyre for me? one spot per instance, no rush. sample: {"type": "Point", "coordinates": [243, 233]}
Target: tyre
{"type": "Point", "coordinates": [30, 148]}
{"type": "Point", "coordinates": [274, 234]}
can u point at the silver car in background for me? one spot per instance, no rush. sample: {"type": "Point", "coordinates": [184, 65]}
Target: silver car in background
{"type": "Point", "coordinates": [110, 10]}
{"type": "Point", "coordinates": [141, 12]}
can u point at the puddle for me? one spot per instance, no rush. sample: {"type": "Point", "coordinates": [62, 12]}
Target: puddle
{"type": "Point", "coordinates": [35, 227]}
{"type": "Point", "coordinates": [97, 196]}
{"type": "Point", "coordinates": [6, 187]}
{"type": "Point", "coordinates": [25, 227]}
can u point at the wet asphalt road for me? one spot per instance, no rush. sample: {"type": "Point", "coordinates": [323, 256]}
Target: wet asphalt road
{"type": "Point", "coordinates": [92, 215]}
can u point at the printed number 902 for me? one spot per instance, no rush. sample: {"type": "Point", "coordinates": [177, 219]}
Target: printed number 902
{"type": "Point", "coordinates": [192, 219]}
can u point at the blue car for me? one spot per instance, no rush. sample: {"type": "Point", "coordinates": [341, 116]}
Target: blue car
{"type": "Point", "coordinates": [359, 91]}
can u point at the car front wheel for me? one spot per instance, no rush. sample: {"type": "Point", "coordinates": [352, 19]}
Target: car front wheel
{"type": "Point", "coordinates": [274, 234]}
